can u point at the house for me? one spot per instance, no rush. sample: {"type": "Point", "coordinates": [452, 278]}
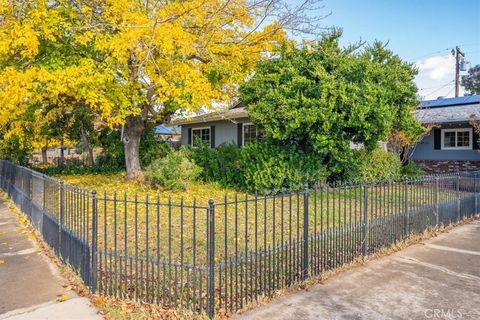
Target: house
{"type": "Point", "coordinates": [166, 132]}
{"type": "Point", "coordinates": [225, 126]}
{"type": "Point", "coordinates": [452, 144]}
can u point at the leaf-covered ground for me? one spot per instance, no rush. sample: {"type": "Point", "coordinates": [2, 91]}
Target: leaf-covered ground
{"type": "Point", "coordinates": [176, 229]}
{"type": "Point", "coordinates": [115, 182]}
{"type": "Point", "coordinates": [156, 240]}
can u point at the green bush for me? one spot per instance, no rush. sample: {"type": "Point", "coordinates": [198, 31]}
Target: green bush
{"type": "Point", "coordinates": [151, 148]}
{"type": "Point", "coordinates": [259, 166]}
{"type": "Point", "coordinates": [113, 154]}
{"type": "Point", "coordinates": [221, 165]}
{"type": "Point", "coordinates": [411, 170]}
{"type": "Point", "coordinates": [76, 169]}
{"type": "Point", "coordinates": [205, 157]}
{"type": "Point", "coordinates": [173, 172]}
{"type": "Point", "coordinates": [374, 165]}
{"type": "Point", "coordinates": [270, 167]}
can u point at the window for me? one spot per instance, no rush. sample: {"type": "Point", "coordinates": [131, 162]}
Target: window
{"type": "Point", "coordinates": [250, 133]}
{"type": "Point", "coordinates": [200, 135]}
{"type": "Point", "coordinates": [457, 139]}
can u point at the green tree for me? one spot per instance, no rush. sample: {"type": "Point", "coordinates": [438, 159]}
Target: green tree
{"type": "Point", "coordinates": [322, 97]}
{"type": "Point", "coordinates": [471, 81]}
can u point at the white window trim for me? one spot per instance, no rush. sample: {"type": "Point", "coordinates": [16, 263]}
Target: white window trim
{"type": "Point", "coordinates": [470, 144]}
{"type": "Point", "coordinates": [201, 128]}
{"type": "Point", "coordinates": [243, 131]}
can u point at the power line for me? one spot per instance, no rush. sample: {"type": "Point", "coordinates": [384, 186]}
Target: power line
{"type": "Point", "coordinates": [432, 53]}
{"type": "Point", "coordinates": [447, 49]}
{"type": "Point", "coordinates": [450, 91]}
{"type": "Point", "coordinates": [435, 87]}
{"type": "Point", "coordinates": [469, 44]}
{"type": "Point", "coordinates": [450, 83]}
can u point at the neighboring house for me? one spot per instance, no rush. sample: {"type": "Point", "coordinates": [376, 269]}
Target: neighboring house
{"type": "Point", "coordinates": [167, 132]}
{"type": "Point", "coordinates": [215, 128]}
{"type": "Point", "coordinates": [452, 144]}
{"type": "Point", "coordinates": [54, 154]}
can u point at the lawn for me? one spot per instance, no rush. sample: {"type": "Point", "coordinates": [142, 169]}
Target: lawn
{"type": "Point", "coordinates": [153, 243]}
{"type": "Point", "coordinates": [137, 219]}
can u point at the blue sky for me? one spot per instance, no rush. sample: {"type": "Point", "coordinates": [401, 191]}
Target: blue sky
{"type": "Point", "coordinates": [420, 31]}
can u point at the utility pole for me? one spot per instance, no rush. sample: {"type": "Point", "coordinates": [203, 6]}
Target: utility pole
{"type": "Point", "coordinates": [457, 53]}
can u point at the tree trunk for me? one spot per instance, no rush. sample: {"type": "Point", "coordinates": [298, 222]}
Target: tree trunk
{"type": "Point", "coordinates": [87, 146]}
{"type": "Point", "coordinates": [44, 155]}
{"type": "Point", "coordinates": [133, 129]}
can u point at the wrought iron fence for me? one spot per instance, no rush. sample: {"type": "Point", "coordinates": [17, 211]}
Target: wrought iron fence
{"type": "Point", "coordinates": [231, 252]}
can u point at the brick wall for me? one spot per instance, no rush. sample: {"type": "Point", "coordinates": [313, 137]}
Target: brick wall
{"type": "Point", "coordinates": [438, 166]}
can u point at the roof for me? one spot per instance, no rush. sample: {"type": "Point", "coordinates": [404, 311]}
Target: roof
{"type": "Point", "coordinates": [166, 130]}
{"type": "Point", "coordinates": [458, 109]}
{"type": "Point", "coordinates": [235, 112]}
{"type": "Point", "coordinates": [458, 101]}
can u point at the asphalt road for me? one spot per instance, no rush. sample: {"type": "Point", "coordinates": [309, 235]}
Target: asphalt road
{"type": "Point", "coordinates": [437, 279]}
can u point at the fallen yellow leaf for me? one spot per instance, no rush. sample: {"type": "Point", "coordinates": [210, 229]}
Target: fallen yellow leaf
{"type": "Point", "coordinates": [62, 297]}
{"type": "Point", "coordinates": [2, 262]}
{"type": "Point", "coordinates": [98, 301]}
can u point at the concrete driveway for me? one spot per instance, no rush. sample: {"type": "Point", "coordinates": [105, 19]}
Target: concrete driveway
{"type": "Point", "coordinates": [438, 279]}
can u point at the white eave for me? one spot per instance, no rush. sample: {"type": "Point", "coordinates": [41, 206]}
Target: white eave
{"type": "Point", "coordinates": [229, 115]}
{"type": "Point", "coordinates": [447, 114]}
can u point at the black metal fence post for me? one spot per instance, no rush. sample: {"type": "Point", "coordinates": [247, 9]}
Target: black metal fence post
{"type": "Point", "coordinates": [365, 220]}
{"type": "Point", "coordinates": [29, 186]}
{"type": "Point", "coordinates": [475, 192]}
{"type": "Point", "coordinates": [62, 212]}
{"type": "Point", "coordinates": [94, 247]}
{"type": "Point", "coordinates": [44, 195]}
{"type": "Point", "coordinates": [29, 194]}
{"type": "Point", "coordinates": [458, 196]}
{"type": "Point", "coordinates": [211, 260]}
{"type": "Point", "coordinates": [406, 219]}
{"type": "Point", "coordinates": [305, 234]}
{"type": "Point", "coordinates": [437, 208]}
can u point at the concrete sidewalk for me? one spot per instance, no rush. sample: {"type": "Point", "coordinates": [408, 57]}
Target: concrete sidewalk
{"type": "Point", "coordinates": [29, 281]}
{"type": "Point", "coordinates": [438, 279]}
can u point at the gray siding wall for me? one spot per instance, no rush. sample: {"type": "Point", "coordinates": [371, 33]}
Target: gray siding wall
{"type": "Point", "coordinates": [425, 149]}
{"type": "Point", "coordinates": [225, 131]}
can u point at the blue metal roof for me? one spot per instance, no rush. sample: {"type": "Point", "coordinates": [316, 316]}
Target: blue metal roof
{"type": "Point", "coordinates": [167, 130]}
{"type": "Point", "coordinates": [459, 101]}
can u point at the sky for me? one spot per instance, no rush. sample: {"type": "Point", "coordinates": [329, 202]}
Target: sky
{"type": "Point", "coordinates": [419, 31]}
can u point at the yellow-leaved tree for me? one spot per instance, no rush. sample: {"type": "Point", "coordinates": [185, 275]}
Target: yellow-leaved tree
{"type": "Point", "coordinates": [45, 74]}
{"type": "Point", "coordinates": [137, 63]}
